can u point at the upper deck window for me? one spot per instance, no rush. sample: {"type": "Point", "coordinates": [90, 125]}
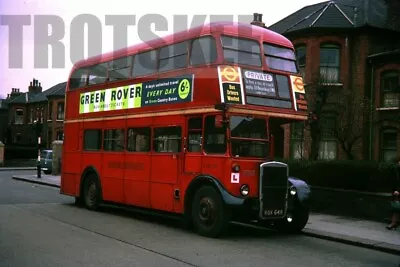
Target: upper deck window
{"type": "Point", "coordinates": [173, 56]}
{"type": "Point", "coordinates": [204, 51]}
{"type": "Point", "coordinates": [98, 73]}
{"type": "Point", "coordinates": [120, 69]}
{"type": "Point", "coordinates": [78, 79]}
{"type": "Point", "coordinates": [241, 51]}
{"type": "Point", "coordinates": [145, 63]}
{"type": "Point", "coordinates": [280, 58]}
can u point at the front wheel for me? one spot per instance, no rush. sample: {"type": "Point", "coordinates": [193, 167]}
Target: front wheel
{"type": "Point", "coordinates": [210, 218]}
{"type": "Point", "coordinates": [299, 218]}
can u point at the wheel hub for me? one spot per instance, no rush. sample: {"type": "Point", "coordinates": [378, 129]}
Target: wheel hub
{"type": "Point", "coordinates": [207, 211]}
{"type": "Point", "coordinates": [91, 195]}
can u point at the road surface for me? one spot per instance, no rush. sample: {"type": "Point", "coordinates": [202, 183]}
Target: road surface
{"type": "Point", "coordinates": [40, 227]}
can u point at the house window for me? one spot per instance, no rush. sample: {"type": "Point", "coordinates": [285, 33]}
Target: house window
{"type": "Point", "coordinates": [60, 111]}
{"type": "Point", "coordinates": [390, 89]}
{"type": "Point", "coordinates": [297, 140]}
{"type": "Point", "coordinates": [389, 145]}
{"type": "Point", "coordinates": [19, 116]}
{"type": "Point", "coordinates": [50, 136]}
{"type": "Point", "coordinates": [329, 63]}
{"type": "Point", "coordinates": [31, 116]}
{"type": "Point", "coordinates": [60, 135]}
{"type": "Point", "coordinates": [301, 59]}
{"type": "Point", "coordinates": [50, 111]}
{"type": "Point", "coordinates": [328, 143]}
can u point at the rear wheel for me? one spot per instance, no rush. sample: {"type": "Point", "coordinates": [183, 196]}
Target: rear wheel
{"type": "Point", "coordinates": [91, 192]}
{"type": "Point", "coordinates": [208, 212]}
{"type": "Point", "coordinates": [79, 201]}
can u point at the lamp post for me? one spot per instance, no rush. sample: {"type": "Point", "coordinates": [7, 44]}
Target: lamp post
{"type": "Point", "coordinates": [38, 130]}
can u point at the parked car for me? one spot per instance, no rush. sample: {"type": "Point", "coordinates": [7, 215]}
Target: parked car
{"type": "Point", "coordinates": [46, 161]}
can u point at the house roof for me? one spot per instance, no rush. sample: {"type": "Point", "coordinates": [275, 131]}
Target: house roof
{"type": "Point", "coordinates": [3, 104]}
{"type": "Point", "coordinates": [56, 90]}
{"type": "Point", "coordinates": [22, 98]}
{"type": "Point", "coordinates": [342, 14]}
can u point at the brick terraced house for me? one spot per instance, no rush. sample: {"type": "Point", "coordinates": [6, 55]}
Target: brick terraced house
{"type": "Point", "coordinates": [349, 54]}
{"type": "Point", "coordinates": [25, 109]}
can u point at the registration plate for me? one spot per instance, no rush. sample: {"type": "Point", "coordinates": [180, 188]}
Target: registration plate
{"type": "Point", "coordinates": [275, 212]}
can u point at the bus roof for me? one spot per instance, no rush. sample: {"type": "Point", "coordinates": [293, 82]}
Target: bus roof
{"type": "Point", "coordinates": [231, 28]}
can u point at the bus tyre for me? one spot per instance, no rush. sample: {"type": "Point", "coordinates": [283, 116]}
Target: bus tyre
{"type": "Point", "coordinates": [210, 218]}
{"type": "Point", "coordinates": [91, 192]}
{"type": "Point", "coordinates": [299, 220]}
{"type": "Point", "coordinates": [79, 201]}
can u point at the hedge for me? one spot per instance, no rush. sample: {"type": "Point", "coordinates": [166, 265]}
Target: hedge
{"type": "Point", "coordinates": [367, 176]}
{"type": "Point", "coordinates": [20, 152]}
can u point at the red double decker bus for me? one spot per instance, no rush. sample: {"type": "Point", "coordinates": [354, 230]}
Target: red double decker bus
{"type": "Point", "coordinates": [189, 124]}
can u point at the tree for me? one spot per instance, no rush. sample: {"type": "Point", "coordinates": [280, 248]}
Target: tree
{"type": "Point", "coordinates": [349, 107]}
{"type": "Point", "coordinates": [352, 111]}
{"type": "Point", "coordinates": [317, 100]}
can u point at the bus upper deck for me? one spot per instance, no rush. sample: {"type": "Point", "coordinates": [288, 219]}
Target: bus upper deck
{"type": "Point", "coordinates": [242, 65]}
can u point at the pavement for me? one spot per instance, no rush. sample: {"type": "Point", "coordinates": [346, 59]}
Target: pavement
{"type": "Point", "coordinates": [17, 168]}
{"type": "Point", "coordinates": [353, 231]}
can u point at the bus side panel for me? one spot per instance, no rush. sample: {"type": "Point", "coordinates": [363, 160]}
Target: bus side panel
{"type": "Point", "coordinates": [164, 168]}
{"type": "Point", "coordinates": [137, 172]}
{"type": "Point", "coordinates": [112, 176]}
{"type": "Point", "coordinates": [70, 160]}
{"type": "Point", "coordinates": [216, 166]}
{"type": "Point", "coordinates": [137, 179]}
{"type": "Point", "coordinates": [113, 166]}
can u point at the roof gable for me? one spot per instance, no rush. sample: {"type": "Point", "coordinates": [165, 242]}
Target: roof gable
{"type": "Point", "coordinates": [343, 14]}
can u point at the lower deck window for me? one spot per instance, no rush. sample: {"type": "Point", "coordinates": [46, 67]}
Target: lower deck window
{"type": "Point", "coordinates": [167, 139]}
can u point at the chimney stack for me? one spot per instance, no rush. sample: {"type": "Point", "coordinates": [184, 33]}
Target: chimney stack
{"type": "Point", "coordinates": [257, 20]}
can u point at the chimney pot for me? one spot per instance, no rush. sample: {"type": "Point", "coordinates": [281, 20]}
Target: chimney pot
{"type": "Point", "coordinates": [31, 83]}
{"type": "Point", "coordinates": [255, 16]}
{"type": "Point", "coordinates": [260, 17]}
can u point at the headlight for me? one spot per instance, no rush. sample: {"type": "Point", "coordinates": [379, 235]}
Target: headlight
{"type": "Point", "coordinates": [293, 190]}
{"type": "Point", "coordinates": [244, 190]}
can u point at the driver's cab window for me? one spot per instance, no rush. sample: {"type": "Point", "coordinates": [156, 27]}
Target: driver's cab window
{"type": "Point", "coordinates": [214, 135]}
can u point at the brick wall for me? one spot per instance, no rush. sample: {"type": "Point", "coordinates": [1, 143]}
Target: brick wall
{"type": "Point", "coordinates": [353, 68]}
{"type": "Point", "coordinates": [55, 125]}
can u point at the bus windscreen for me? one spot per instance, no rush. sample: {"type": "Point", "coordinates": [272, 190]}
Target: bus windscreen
{"type": "Point", "coordinates": [249, 137]}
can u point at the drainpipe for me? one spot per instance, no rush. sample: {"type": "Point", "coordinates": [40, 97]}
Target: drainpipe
{"type": "Point", "coordinates": [371, 149]}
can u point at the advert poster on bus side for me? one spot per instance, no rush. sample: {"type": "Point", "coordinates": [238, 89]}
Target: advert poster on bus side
{"type": "Point", "coordinates": [231, 85]}
{"type": "Point", "coordinates": [299, 95]}
{"type": "Point", "coordinates": [158, 92]}
{"type": "Point", "coordinates": [259, 83]}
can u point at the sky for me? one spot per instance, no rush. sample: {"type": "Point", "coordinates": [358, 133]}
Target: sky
{"type": "Point", "coordinates": [24, 58]}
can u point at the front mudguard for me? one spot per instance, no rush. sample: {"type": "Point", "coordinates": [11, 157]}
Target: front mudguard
{"type": "Point", "coordinates": [303, 190]}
